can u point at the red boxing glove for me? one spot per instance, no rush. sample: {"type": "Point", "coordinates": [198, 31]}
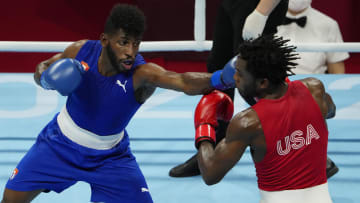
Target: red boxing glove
{"type": "Point", "coordinates": [211, 108]}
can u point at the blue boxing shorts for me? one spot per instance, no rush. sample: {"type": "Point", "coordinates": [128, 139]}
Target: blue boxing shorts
{"type": "Point", "coordinates": [55, 163]}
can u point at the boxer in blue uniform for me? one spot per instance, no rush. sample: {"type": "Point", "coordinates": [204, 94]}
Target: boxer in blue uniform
{"type": "Point", "coordinates": [105, 81]}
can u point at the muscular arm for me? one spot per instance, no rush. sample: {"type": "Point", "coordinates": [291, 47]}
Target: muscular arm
{"type": "Point", "coordinates": [190, 83]}
{"type": "Point", "coordinates": [265, 7]}
{"type": "Point", "coordinates": [324, 100]}
{"type": "Point", "coordinates": [331, 106]}
{"type": "Point", "coordinates": [70, 52]}
{"type": "Point", "coordinates": [336, 68]}
{"type": "Point", "coordinates": [215, 163]}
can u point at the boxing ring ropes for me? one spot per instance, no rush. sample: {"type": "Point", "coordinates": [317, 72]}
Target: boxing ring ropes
{"type": "Point", "coordinates": [198, 44]}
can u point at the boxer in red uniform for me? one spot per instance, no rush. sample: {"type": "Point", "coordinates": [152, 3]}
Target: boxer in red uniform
{"type": "Point", "coordinates": [285, 130]}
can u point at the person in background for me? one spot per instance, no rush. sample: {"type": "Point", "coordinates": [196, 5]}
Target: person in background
{"type": "Point", "coordinates": [304, 24]}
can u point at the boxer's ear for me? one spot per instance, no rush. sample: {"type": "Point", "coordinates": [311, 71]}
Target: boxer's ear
{"type": "Point", "coordinates": [104, 39]}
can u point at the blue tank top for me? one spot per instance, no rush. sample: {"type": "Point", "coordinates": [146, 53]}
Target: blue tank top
{"type": "Point", "coordinates": [102, 105]}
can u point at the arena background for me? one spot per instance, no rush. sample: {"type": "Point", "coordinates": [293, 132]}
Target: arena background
{"type": "Point", "coordinates": [68, 20]}
{"type": "Point", "coordinates": [162, 131]}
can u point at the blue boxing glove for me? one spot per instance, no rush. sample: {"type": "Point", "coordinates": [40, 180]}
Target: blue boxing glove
{"type": "Point", "coordinates": [224, 79]}
{"type": "Point", "coordinates": [64, 75]}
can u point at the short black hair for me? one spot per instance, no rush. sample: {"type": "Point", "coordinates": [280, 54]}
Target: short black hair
{"type": "Point", "coordinates": [268, 56]}
{"type": "Point", "coordinates": [127, 17]}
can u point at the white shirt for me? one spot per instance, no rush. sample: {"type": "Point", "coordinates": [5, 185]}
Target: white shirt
{"type": "Point", "coordinates": [319, 28]}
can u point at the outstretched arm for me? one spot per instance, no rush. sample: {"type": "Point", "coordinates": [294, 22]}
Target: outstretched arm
{"type": "Point", "coordinates": [191, 83]}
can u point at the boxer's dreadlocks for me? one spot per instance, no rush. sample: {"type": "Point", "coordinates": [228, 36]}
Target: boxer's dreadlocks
{"type": "Point", "coordinates": [269, 57]}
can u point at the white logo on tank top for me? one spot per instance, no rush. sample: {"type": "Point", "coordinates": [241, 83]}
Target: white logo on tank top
{"type": "Point", "coordinates": [143, 189]}
{"type": "Point", "coordinates": [296, 140]}
{"type": "Point", "coordinates": [121, 85]}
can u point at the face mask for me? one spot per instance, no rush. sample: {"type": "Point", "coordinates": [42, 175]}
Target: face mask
{"type": "Point", "coordinates": [299, 5]}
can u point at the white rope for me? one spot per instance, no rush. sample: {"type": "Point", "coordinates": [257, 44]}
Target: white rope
{"type": "Point", "coordinates": [31, 46]}
{"type": "Point", "coordinates": [328, 47]}
{"type": "Point", "coordinates": [199, 20]}
{"type": "Point", "coordinates": [199, 44]}
{"type": "Point", "coordinates": [153, 46]}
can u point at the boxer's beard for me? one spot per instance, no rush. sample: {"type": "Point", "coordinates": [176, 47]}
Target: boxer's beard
{"type": "Point", "coordinates": [112, 58]}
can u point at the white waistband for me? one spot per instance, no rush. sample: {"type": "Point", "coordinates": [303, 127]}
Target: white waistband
{"type": "Point", "coordinates": [84, 137]}
{"type": "Point", "coordinates": [316, 194]}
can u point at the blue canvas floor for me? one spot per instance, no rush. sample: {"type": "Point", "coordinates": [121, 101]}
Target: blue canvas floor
{"type": "Point", "coordinates": [161, 136]}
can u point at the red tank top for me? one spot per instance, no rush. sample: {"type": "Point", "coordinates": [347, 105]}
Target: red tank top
{"type": "Point", "coordinates": [296, 141]}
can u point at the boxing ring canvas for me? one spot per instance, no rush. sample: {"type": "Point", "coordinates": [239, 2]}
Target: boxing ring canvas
{"type": "Point", "coordinates": [161, 135]}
